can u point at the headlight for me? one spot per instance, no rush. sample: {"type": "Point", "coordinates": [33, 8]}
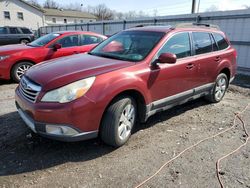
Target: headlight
{"type": "Point", "coordinates": [3, 57]}
{"type": "Point", "coordinates": [69, 92]}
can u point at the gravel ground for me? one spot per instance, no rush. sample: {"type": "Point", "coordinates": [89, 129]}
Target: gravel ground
{"type": "Point", "coordinates": [31, 161]}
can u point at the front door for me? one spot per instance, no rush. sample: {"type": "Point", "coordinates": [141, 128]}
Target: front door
{"type": "Point", "coordinates": [70, 45]}
{"type": "Point", "coordinates": [173, 79]}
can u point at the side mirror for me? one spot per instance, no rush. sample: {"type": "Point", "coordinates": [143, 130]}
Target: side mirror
{"type": "Point", "coordinates": [167, 58]}
{"type": "Point", "coordinates": [57, 46]}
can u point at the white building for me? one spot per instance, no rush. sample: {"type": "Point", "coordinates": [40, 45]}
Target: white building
{"type": "Point", "coordinates": [60, 16]}
{"type": "Point", "coordinates": [21, 13]}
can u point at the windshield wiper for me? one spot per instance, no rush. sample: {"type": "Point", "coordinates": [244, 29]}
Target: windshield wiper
{"type": "Point", "coordinates": [107, 56]}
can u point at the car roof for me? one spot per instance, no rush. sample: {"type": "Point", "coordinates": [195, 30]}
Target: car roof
{"type": "Point", "coordinates": [163, 29]}
{"type": "Point", "coordinates": [78, 32]}
{"type": "Point", "coordinates": [166, 29]}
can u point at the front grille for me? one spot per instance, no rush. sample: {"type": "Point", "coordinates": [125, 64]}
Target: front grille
{"type": "Point", "coordinates": [29, 89]}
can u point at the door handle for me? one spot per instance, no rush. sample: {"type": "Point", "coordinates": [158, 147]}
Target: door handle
{"type": "Point", "coordinates": [217, 59]}
{"type": "Point", "coordinates": [190, 66]}
{"type": "Point", "coordinates": [76, 52]}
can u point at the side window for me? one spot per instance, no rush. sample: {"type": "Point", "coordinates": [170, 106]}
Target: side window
{"type": "Point", "coordinates": [88, 39]}
{"type": "Point", "coordinates": [202, 43]}
{"type": "Point", "coordinates": [26, 31]}
{"type": "Point", "coordinates": [69, 41]}
{"type": "Point", "coordinates": [179, 45]}
{"type": "Point", "coordinates": [14, 30]}
{"type": "Point", "coordinates": [221, 42]}
{"type": "Point", "coordinates": [3, 30]}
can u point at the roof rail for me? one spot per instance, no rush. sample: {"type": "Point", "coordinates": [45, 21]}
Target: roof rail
{"type": "Point", "coordinates": [154, 24]}
{"type": "Point", "coordinates": [183, 25]}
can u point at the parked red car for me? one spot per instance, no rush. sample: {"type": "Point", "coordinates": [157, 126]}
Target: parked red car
{"type": "Point", "coordinates": [16, 59]}
{"type": "Point", "coordinates": [127, 78]}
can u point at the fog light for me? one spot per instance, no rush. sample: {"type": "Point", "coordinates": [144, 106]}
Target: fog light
{"type": "Point", "coordinates": [60, 130]}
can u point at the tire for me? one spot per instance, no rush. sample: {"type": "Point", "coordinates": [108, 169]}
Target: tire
{"type": "Point", "coordinates": [19, 69]}
{"type": "Point", "coordinates": [118, 121]}
{"type": "Point", "coordinates": [24, 41]}
{"type": "Point", "coordinates": [219, 89]}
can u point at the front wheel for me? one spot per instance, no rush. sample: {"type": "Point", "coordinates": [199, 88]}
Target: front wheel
{"type": "Point", "coordinates": [219, 89]}
{"type": "Point", "coordinates": [118, 121]}
{"type": "Point", "coordinates": [19, 69]}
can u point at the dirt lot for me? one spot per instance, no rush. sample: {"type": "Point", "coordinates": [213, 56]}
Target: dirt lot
{"type": "Point", "coordinates": [27, 161]}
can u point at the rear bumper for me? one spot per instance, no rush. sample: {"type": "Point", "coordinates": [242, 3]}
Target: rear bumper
{"type": "Point", "coordinates": [39, 128]}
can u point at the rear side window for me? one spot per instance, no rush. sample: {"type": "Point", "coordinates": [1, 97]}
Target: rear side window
{"type": "Point", "coordinates": [14, 30]}
{"type": "Point", "coordinates": [26, 31]}
{"type": "Point", "coordinates": [202, 43]}
{"type": "Point", "coordinates": [88, 39]}
{"type": "Point", "coordinates": [69, 41]}
{"type": "Point", "coordinates": [220, 40]}
{"type": "Point", "coordinates": [179, 45]}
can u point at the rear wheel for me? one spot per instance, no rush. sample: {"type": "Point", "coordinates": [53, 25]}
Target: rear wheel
{"type": "Point", "coordinates": [19, 69]}
{"type": "Point", "coordinates": [118, 122]}
{"type": "Point", "coordinates": [219, 89]}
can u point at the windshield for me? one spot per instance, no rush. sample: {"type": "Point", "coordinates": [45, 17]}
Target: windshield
{"type": "Point", "coordinates": [128, 45]}
{"type": "Point", "coordinates": [44, 39]}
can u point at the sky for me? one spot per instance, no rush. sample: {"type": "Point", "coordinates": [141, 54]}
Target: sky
{"type": "Point", "coordinates": [161, 7]}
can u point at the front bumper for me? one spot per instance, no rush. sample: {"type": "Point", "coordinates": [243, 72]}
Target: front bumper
{"type": "Point", "coordinates": [39, 128]}
{"type": "Point", "coordinates": [77, 115]}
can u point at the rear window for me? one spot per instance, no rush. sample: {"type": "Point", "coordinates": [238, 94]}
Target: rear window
{"type": "Point", "coordinates": [202, 42]}
{"type": "Point", "coordinates": [26, 31]}
{"type": "Point", "coordinates": [221, 41]}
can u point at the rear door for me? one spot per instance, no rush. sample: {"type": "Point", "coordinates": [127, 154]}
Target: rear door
{"type": "Point", "coordinates": [14, 35]}
{"type": "Point", "coordinates": [206, 57]}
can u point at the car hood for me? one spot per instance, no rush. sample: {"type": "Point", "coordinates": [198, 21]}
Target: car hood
{"type": "Point", "coordinates": [14, 48]}
{"type": "Point", "coordinates": [58, 72]}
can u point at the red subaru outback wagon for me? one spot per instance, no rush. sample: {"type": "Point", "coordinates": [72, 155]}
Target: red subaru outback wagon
{"type": "Point", "coordinates": [127, 78]}
{"type": "Point", "coordinates": [18, 58]}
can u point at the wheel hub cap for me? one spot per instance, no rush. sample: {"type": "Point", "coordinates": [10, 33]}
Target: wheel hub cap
{"type": "Point", "coordinates": [21, 70]}
{"type": "Point", "coordinates": [126, 121]}
{"type": "Point", "coordinates": [220, 88]}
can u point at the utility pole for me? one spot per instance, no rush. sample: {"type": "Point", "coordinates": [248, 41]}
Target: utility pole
{"type": "Point", "coordinates": [193, 6]}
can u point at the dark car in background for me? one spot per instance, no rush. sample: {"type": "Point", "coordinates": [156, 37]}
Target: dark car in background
{"type": "Point", "coordinates": [15, 35]}
{"type": "Point", "coordinates": [17, 58]}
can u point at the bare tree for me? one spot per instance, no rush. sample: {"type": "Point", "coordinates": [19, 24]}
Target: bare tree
{"type": "Point", "coordinates": [246, 6]}
{"type": "Point", "coordinates": [102, 12]}
{"type": "Point", "coordinates": [51, 4]}
{"type": "Point", "coordinates": [155, 12]}
{"type": "Point", "coordinates": [34, 3]}
{"type": "Point", "coordinates": [212, 8]}
{"type": "Point", "coordinates": [73, 6]}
